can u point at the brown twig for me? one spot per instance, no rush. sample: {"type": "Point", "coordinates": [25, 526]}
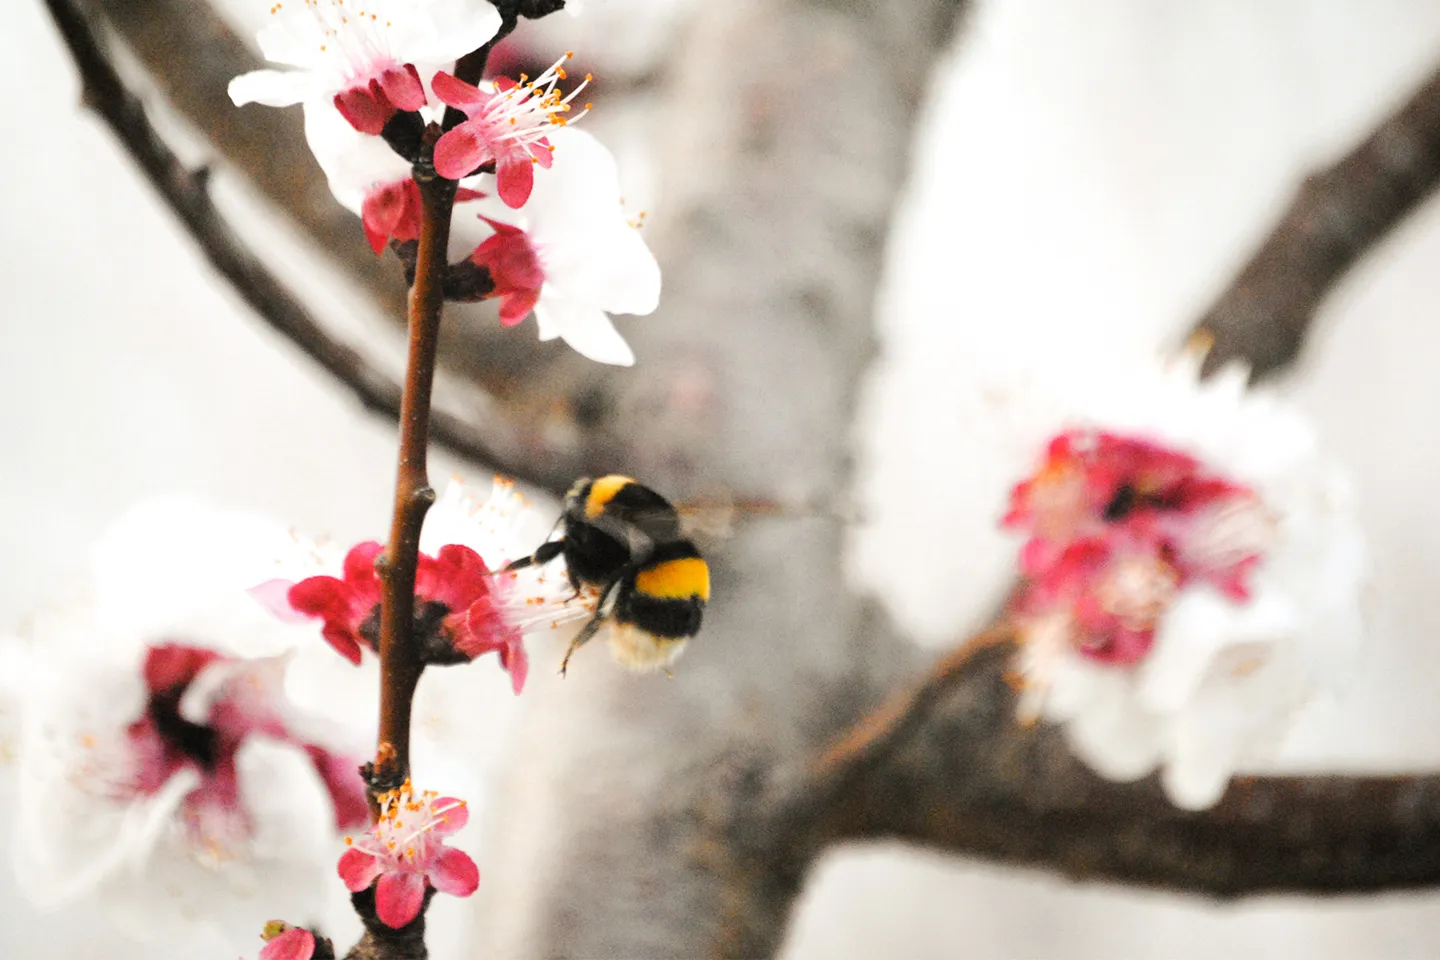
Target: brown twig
{"type": "Point", "coordinates": [1337, 216]}
{"type": "Point", "coordinates": [878, 732]}
{"type": "Point", "coordinates": [187, 195]}
{"type": "Point", "coordinates": [400, 664]}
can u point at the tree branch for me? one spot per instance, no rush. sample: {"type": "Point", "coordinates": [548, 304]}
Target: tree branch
{"type": "Point", "coordinates": [186, 193]}
{"type": "Point", "coordinates": [1337, 215]}
{"type": "Point", "coordinates": [400, 663]}
{"type": "Point", "coordinates": [192, 54]}
{"type": "Point", "coordinates": [957, 772]}
{"type": "Point", "coordinates": [947, 765]}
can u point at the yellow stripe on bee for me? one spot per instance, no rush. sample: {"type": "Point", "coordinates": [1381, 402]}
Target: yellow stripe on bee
{"type": "Point", "coordinates": [602, 491]}
{"type": "Point", "coordinates": [676, 579]}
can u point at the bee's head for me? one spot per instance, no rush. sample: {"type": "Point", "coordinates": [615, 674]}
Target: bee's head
{"type": "Point", "coordinates": [575, 496]}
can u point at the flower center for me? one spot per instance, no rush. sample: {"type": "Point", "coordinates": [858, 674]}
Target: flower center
{"type": "Point", "coordinates": [1138, 590]}
{"type": "Point", "coordinates": [1118, 526]}
{"type": "Point", "coordinates": [196, 742]}
{"type": "Point", "coordinates": [520, 112]}
{"type": "Point", "coordinates": [428, 628]}
{"type": "Point", "coordinates": [357, 37]}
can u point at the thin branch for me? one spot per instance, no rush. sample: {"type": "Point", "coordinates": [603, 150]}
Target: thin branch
{"type": "Point", "coordinates": [1337, 215]}
{"type": "Point", "coordinates": [400, 664]}
{"type": "Point", "coordinates": [400, 655]}
{"type": "Point", "coordinates": [879, 733]}
{"type": "Point", "coordinates": [186, 193]}
{"type": "Point", "coordinates": [958, 773]}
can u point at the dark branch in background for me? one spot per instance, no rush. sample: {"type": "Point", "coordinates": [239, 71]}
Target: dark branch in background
{"type": "Point", "coordinates": [1337, 215]}
{"type": "Point", "coordinates": [961, 775]}
{"type": "Point", "coordinates": [186, 193]}
{"type": "Point", "coordinates": [192, 54]}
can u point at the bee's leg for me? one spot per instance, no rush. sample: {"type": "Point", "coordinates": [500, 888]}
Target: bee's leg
{"type": "Point", "coordinates": [603, 609]}
{"type": "Point", "coordinates": [581, 638]}
{"type": "Point", "coordinates": [548, 551]}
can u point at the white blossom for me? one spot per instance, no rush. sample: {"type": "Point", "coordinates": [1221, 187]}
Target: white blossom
{"type": "Point", "coordinates": [1226, 673]}
{"type": "Point", "coordinates": [570, 252]}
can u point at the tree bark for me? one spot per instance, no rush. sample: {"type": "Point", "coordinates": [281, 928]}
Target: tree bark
{"type": "Point", "coordinates": [1338, 215]}
{"type": "Point", "coordinates": [629, 825]}
{"type": "Point", "coordinates": [963, 776]}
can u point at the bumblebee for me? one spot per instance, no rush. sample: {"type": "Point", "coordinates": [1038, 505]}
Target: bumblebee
{"type": "Point", "coordinates": [625, 540]}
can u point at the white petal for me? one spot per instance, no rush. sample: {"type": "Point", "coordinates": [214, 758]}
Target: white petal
{"type": "Point", "coordinates": [1193, 629]}
{"type": "Point", "coordinates": [1195, 780]}
{"type": "Point", "coordinates": [294, 39]}
{"type": "Point", "coordinates": [273, 88]}
{"type": "Point", "coordinates": [353, 161]}
{"type": "Point", "coordinates": [1116, 739]}
{"type": "Point", "coordinates": [582, 182]}
{"type": "Point", "coordinates": [587, 330]}
{"type": "Point", "coordinates": [455, 28]}
{"type": "Point", "coordinates": [632, 282]}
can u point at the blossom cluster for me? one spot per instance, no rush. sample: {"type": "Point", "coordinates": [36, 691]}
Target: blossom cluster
{"type": "Point", "coordinates": [1119, 525]}
{"type": "Point", "coordinates": [465, 606]}
{"type": "Point", "coordinates": [1190, 576]}
{"type": "Point", "coordinates": [558, 244]}
{"type": "Point", "coordinates": [185, 756]}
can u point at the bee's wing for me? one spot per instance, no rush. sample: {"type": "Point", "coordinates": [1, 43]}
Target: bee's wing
{"type": "Point", "coordinates": [640, 527]}
{"type": "Point", "coordinates": [715, 518]}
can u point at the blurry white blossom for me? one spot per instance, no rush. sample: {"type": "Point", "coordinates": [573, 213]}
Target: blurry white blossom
{"type": "Point", "coordinates": [162, 769]}
{"type": "Point", "coordinates": [1192, 574]}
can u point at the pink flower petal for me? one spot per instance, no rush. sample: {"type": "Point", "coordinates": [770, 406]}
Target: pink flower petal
{"type": "Point", "coordinates": [343, 642]}
{"type": "Point", "coordinates": [514, 658]}
{"type": "Point", "coordinates": [453, 815]}
{"type": "Point", "coordinates": [457, 577]}
{"type": "Point", "coordinates": [457, 93]}
{"type": "Point", "coordinates": [453, 872]}
{"type": "Point", "coordinates": [460, 151]}
{"type": "Point", "coordinates": [173, 665]}
{"type": "Point", "coordinates": [297, 943]}
{"type": "Point", "coordinates": [360, 564]}
{"type": "Point", "coordinates": [514, 177]}
{"type": "Point", "coordinates": [365, 111]}
{"type": "Point", "coordinates": [403, 88]}
{"type": "Point", "coordinates": [398, 898]}
{"type": "Point", "coordinates": [357, 869]}
{"type": "Point", "coordinates": [322, 596]}
{"type": "Point", "coordinates": [274, 595]}
{"type": "Point", "coordinates": [333, 601]}
{"type": "Point", "coordinates": [341, 776]}
{"type": "Point", "coordinates": [516, 307]}
{"type": "Point", "coordinates": [381, 212]}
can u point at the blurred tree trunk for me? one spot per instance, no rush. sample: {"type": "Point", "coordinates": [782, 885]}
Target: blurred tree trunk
{"type": "Point", "coordinates": [629, 827]}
